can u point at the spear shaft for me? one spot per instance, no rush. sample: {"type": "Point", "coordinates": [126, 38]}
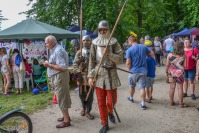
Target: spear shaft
{"type": "Point", "coordinates": [80, 41]}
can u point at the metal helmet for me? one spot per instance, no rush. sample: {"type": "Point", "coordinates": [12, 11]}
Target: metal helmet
{"type": "Point", "coordinates": [86, 37]}
{"type": "Point", "coordinates": [86, 44]}
{"type": "Point", "coordinates": [103, 24]}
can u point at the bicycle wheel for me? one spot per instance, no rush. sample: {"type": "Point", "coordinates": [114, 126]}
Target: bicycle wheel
{"type": "Point", "coordinates": [16, 122]}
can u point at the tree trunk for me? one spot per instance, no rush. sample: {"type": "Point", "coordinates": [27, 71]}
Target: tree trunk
{"type": "Point", "coordinates": [139, 13]}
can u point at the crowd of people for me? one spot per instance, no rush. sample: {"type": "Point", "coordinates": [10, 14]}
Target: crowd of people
{"type": "Point", "coordinates": [141, 60]}
{"type": "Point", "coordinates": [95, 68]}
{"type": "Point", "coordinates": [181, 65]}
{"type": "Point", "coordinates": [15, 68]}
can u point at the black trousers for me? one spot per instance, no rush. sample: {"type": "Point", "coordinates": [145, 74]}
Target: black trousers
{"type": "Point", "coordinates": [86, 104]}
{"type": "Point", "coordinates": [157, 57]}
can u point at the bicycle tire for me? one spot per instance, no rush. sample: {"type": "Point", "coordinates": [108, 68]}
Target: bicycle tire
{"type": "Point", "coordinates": [20, 114]}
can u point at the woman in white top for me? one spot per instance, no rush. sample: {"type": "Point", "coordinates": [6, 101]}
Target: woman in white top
{"type": "Point", "coordinates": [17, 73]}
{"type": "Point", "coordinates": [158, 50]}
{"type": "Point", "coordinates": [5, 70]}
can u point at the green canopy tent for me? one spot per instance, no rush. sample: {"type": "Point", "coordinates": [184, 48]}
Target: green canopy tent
{"type": "Point", "coordinates": [33, 29]}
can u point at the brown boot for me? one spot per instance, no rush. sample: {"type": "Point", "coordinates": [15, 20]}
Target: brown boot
{"type": "Point", "coordinates": [89, 116]}
{"type": "Point", "coordinates": [83, 112]}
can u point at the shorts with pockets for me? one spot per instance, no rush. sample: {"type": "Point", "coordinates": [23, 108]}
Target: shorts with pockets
{"type": "Point", "coordinates": [139, 78]}
{"type": "Point", "coordinates": [190, 74]}
{"type": "Point", "coordinates": [60, 82]}
{"type": "Point", "coordinates": [149, 82]}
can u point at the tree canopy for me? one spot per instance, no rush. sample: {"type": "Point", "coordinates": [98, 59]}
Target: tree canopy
{"type": "Point", "coordinates": [1, 18]}
{"type": "Point", "coordinates": [144, 17]}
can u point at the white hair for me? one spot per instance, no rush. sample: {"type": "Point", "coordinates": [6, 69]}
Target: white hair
{"type": "Point", "coordinates": [51, 38]}
{"type": "Point", "coordinates": [147, 37]}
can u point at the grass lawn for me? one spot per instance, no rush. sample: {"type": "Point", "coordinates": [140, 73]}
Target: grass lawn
{"type": "Point", "coordinates": [31, 102]}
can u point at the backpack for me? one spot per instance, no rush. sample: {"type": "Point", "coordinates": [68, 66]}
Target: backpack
{"type": "Point", "coordinates": [18, 60]}
{"type": "Point", "coordinates": [176, 67]}
{"type": "Point", "coordinates": [175, 72]}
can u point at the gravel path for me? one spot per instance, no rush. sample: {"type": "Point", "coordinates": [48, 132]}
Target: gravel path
{"type": "Point", "coordinates": [160, 117]}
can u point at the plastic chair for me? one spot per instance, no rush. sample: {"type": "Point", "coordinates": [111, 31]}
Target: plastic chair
{"type": "Point", "coordinates": [42, 81]}
{"type": "Point", "coordinates": [27, 80]}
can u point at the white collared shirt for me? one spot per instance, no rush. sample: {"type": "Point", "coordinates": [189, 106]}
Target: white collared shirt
{"type": "Point", "coordinates": [58, 56]}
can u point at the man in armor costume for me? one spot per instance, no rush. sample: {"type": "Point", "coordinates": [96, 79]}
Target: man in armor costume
{"type": "Point", "coordinates": [113, 55]}
{"type": "Point", "coordinates": [82, 77]}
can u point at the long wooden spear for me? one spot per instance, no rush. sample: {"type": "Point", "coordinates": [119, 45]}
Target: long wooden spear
{"type": "Point", "coordinates": [80, 41]}
{"type": "Point", "coordinates": [118, 18]}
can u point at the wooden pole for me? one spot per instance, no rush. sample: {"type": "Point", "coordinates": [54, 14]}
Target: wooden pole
{"type": "Point", "coordinates": [123, 70]}
{"type": "Point", "coordinates": [80, 41]}
{"type": "Point", "coordinates": [118, 18]}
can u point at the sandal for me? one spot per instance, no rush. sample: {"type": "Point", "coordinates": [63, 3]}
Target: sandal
{"type": "Point", "coordinates": [172, 103]}
{"type": "Point", "coordinates": [62, 119]}
{"type": "Point", "coordinates": [151, 98]}
{"type": "Point", "coordinates": [183, 105]}
{"type": "Point", "coordinates": [148, 100]}
{"type": "Point", "coordinates": [63, 124]}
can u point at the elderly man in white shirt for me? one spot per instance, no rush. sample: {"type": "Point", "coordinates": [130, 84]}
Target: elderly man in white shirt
{"type": "Point", "coordinates": [59, 77]}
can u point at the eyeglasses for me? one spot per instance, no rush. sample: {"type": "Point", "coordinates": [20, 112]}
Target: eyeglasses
{"type": "Point", "coordinates": [103, 30]}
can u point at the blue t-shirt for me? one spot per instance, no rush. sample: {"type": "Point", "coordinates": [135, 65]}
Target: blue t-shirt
{"type": "Point", "coordinates": [195, 45]}
{"type": "Point", "coordinates": [182, 41]}
{"type": "Point", "coordinates": [36, 70]}
{"type": "Point", "coordinates": [151, 63]}
{"type": "Point", "coordinates": [137, 54]}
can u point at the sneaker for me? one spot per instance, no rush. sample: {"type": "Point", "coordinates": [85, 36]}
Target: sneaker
{"type": "Point", "coordinates": [9, 92]}
{"type": "Point", "coordinates": [143, 107]}
{"type": "Point", "coordinates": [184, 94]}
{"type": "Point", "coordinates": [193, 97]}
{"type": "Point", "coordinates": [7, 95]}
{"type": "Point", "coordinates": [130, 100]}
{"type": "Point", "coordinates": [104, 129]}
{"type": "Point", "coordinates": [111, 118]}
